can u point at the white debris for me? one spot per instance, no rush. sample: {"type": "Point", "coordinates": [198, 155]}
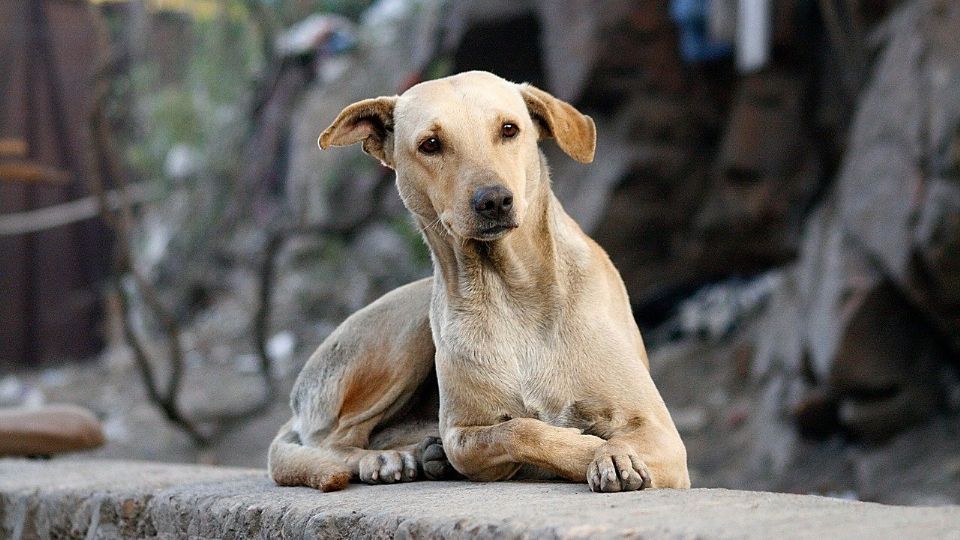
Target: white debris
{"type": "Point", "coordinates": [182, 161]}
{"type": "Point", "coordinates": [280, 347]}
{"type": "Point", "coordinates": [714, 311]}
{"type": "Point", "coordinates": [11, 391]}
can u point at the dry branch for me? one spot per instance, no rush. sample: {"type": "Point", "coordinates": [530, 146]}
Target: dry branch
{"type": "Point", "coordinates": [275, 243]}
{"type": "Point", "coordinates": [58, 215]}
{"type": "Point", "coordinates": [119, 217]}
{"type": "Point", "coordinates": [122, 224]}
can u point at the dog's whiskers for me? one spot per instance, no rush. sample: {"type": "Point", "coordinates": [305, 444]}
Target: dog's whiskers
{"type": "Point", "coordinates": [437, 226]}
{"type": "Point", "coordinates": [432, 225]}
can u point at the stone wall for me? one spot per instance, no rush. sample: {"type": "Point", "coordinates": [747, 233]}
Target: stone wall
{"type": "Point", "coordinates": [113, 499]}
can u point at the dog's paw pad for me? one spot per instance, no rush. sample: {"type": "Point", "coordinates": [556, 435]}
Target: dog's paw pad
{"type": "Point", "coordinates": [434, 460]}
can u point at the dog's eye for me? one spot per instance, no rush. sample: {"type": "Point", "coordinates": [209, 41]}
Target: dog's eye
{"type": "Point", "coordinates": [509, 131]}
{"type": "Point", "coordinates": [430, 146]}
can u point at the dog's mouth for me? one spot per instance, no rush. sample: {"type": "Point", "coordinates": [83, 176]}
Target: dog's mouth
{"type": "Point", "coordinates": [494, 232]}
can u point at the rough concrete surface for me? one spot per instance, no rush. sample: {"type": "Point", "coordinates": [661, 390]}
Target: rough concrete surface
{"type": "Point", "coordinates": [120, 499]}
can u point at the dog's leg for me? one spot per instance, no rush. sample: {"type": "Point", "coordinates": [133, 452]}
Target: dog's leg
{"type": "Point", "coordinates": [377, 443]}
{"type": "Point", "coordinates": [420, 437]}
{"type": "Point", "coordinates": [497, 452]}
{"type": "Point", "coordinates": [643, 447]}
{"type": "Point", "coordinates": [333, 442]}
{"type": "Point", "coordinates": [378, 466]}
{"type": "Point", "coordinates": [645, 456]}
{"type": "Point", "coordinates": [330, 465]}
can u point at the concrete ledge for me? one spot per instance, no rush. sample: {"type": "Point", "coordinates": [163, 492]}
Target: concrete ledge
{"type": "Point", "coordinates": [114, 499]}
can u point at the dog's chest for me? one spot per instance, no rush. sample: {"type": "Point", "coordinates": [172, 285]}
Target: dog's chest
{"type": "Point", "coordinates": [511, 368]}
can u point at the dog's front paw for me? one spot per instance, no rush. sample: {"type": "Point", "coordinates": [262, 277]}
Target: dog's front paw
{"type": "Point", "coordinates": [388, 467]}
{"type": "Point", "coordinates": [434, 460]}
{"type": "Point", "coordinates": [614, 470]}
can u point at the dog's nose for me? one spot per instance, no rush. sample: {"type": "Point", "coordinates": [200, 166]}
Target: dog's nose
{"type": "Point", "coordinates": [493, 202]}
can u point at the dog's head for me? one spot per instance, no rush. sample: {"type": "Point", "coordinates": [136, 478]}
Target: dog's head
{"type": "Point", "coordinates": [465, 147]}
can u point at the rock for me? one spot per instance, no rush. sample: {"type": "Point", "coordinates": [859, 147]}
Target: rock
{"type": "Point", "coordinates": [48, 430]}
{"type": "Point", "coordinates": [768, 430]}
{"type": "Point", "coordinates": [570, 45]}
{"type": "Point", "coordinates": [115, 499]}
{"type": "Point", "coordinates": [690, 419]}
{"type": "Point", "coordinates": [869, 317]}
{"type": "Point", "coordinates": [714, 311]}
{"type": "Point", "coordinates": [884, 367]}
{"type": "Point", "coordinates": [764, 177]}
{"type": "Point", "coordinates": [334, 187]}
{"type": "Point", "coordinates": [936, 259]}
{"type": "Point", "coordinates": [724, 169]}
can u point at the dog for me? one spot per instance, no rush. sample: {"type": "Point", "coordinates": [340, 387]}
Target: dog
{"type": "Point", "coordinates": [520, 357]}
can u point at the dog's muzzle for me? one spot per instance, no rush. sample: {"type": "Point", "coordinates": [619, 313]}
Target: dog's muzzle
{"type": "Point", "coordinates": [494, 209]}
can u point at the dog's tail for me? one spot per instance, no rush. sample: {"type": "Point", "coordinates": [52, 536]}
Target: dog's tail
{"type": "Point", "coordinates": [293, 464]}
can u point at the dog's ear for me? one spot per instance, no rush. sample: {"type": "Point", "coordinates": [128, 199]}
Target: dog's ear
{"type": "Point", "coordinates": [369, 121]}
{"type": "Point", "coordinates": [575, 133]}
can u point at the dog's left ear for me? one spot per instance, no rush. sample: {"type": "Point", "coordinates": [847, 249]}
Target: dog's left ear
{"type": "Point", "coordinates": [575, 132]}
{"type": "Point", "coordinates": [370, 121]}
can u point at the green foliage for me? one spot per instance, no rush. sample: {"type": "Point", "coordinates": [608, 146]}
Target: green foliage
{"type": "Point", "coordinates": [189, 91]}
{"type": "Point", "coordinates": [191, 94]}
{"type": "Point", "coordinates": [205, 105]}
{"type": "Point", "coordinates": [226, 58]}
{"type": "Point", "coordinates": [198, 109]}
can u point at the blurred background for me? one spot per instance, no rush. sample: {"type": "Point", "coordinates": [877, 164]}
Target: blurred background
{"type": "Point", "coordinates": [777, 182]}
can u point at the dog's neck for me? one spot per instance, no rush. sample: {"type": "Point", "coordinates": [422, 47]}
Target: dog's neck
{"type": "Point", "coordinates": [527, 264]}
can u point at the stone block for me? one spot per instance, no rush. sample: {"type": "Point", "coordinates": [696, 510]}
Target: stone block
{"type": "Point", "coordinates": [115, 499]}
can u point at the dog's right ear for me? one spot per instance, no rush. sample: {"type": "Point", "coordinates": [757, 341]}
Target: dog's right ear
{"type": "Point", "coordinates": [369, 121]}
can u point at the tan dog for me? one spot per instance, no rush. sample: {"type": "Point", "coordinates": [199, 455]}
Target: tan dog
{"type": "Point", "coordinates": [539, 364]}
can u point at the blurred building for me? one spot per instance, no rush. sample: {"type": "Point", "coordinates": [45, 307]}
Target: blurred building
{"type": "Point", "coordinates": [53, 253]}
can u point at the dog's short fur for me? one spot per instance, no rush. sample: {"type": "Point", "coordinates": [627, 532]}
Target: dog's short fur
{"type": "Point", "coordinates": [539, 365]}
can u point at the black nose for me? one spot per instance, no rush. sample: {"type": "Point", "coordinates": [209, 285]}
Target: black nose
{"type": "Point", "coordinates": [493, 202]}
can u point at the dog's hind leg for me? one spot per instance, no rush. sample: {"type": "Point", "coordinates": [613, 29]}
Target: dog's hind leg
{"type": "Point", "coordinates": [364, 383]}
{"type": "Point", "coordinates": [293, 464]}
{"type": "Point", "coordinates": [387, 448]}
